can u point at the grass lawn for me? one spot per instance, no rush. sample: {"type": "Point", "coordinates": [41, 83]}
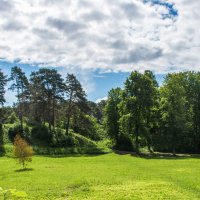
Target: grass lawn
{"type": "Point", "coordinates": [109, 176]}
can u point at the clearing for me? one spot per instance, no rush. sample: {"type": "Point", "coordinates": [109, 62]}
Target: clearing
{"type": "Point", "coordinates": [109, 176]}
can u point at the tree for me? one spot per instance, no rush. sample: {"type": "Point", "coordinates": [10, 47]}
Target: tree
{"type": "Point", "coordinates": [46, 90]}
{"type": "Point", "coordinates": [20, 85]}
{"type": "Point", "coordinates": [3, 82]}
{"type": "Point", "coordinates": [139, 99]}
{"type": "Point", "coordinates": [112, 113]}
{"type": "Point", "coordinates": [76, 97]}
{"type": "Point", "coordinates": [150, 106]}
{"type": "Point", "coordinates": [193, 99]}
{"type": "Point", "coordinates": [173, 110]}
{"type": "Point", "coordinates": [22, 151]}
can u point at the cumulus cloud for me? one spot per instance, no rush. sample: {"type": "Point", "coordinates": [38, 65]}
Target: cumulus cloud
{"type": "Point", "coordinates": [99, 100]}
{"type": "Point", "coordinates": [114, 35]}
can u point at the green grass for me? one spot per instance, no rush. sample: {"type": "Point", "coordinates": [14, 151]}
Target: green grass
{"type": "Point", "coordinates": [108, 176]}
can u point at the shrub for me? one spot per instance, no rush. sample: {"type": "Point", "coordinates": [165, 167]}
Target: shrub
{"type": "Point", "coordinates": [22, 151]}
{"type": "Point", "coordinates": [8, 150]}
{"type": "Point", "coordinates": [13, 131]}
{"type": "Point", "coordinates": [1, 140]}
{"type": "Point", "coordinates": [124, 143]}
{"type": "Point", "coordinates": [41, 135]}
{"type": "Point", "coordinates": [12, 119]}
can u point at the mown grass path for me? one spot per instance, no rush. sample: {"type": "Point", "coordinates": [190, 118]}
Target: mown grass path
{"type": "Point", "coordinates": [109, 177]}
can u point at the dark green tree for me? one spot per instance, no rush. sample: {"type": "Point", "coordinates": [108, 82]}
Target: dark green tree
{"type": "Point", "coordinates": [139, 102]}
{"type": "Point", "coordinates": [46, 91]}
{"type": "Point", "coordinates": [76, 97]}
{"type": "Point", "coordinates": [150, 106]}
{"type": "Point", "coordinates": [112, 113]}
{"type": "Point", "coordinates": [3, 81]}
{"type": "Point", "coordinates": [193, 99]}
{"type": "Point", "coordinates": [173, 110]}
{"type": "Point", "coordinates": [20, 85]}
{"type": "Point", "coordinates": [134, 104]}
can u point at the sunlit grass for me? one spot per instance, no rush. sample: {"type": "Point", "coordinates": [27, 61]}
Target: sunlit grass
{"type": "Point", "coordinates": [107, 177]}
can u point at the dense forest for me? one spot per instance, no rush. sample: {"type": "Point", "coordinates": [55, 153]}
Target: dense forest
{"type": "Point", "coordinates": [53, 112]}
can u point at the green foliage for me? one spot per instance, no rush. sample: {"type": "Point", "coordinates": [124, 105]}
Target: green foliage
{"type": "Point", "coordinates": [41, 135]}
{"type": "Point", "coordinates": [3, 81]}
{"type": "Point", "coordinates": [87, 126]}
{"type": "Point", "coordinates": [68, 144]}
{"type": "Point", "coordinates": [131, 111]}
{"type": "Point", "coordinates": [20, 85]}
{"type": "Point", "coordinates": [164, 118]}
{"type": "Point", "coordinates": [49, 83]}
{"type": "Point", "coordinates": [124, 143]}
{"type": "Point", "coordinates": [17, 129]}
{"type": "Point", "coordinates": [76, 98]}
{"type": "Point", "coordinates": [1, 140]}
{"type": "Point", "coordinates": [12, 119]}
{"type": "Point", "coordinates": [112, 113]}
{"type": "Point", "coordinates": [8, 150]}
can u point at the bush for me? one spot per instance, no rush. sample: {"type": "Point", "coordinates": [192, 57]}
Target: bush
{"type": "Point", "coordinates": [124, 143]}
{"type": "Point", "coordinates": [1, 140]}
{"type": "Point", "coordinates": [8, 150]}
{"type": "Point", "coordinates": [12, 119]}
{"type": "Point", "coordinates": [60, 139]}
{"type": "Point", "coordinates": [13, 131]}
{"type": "Point", "coordinates": [41, 135]}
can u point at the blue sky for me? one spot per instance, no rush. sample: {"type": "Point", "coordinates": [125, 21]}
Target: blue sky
{"type": "Point", "coordinates": [102, 82]}
{"type": "Point", "coordinates": [101, 42]}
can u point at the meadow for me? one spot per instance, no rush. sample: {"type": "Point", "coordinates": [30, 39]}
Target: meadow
{"type": "Point", "coordinates": [109, 176]}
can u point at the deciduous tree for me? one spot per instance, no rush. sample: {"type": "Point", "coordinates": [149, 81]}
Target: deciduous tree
{"type": "Point", "coordinates": [22, 151]}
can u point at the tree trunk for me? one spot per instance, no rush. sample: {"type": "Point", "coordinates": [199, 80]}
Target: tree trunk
{"type": "Point", "coordinates": [67, 124]}
{"type": "Point", "coordinates": [136, 138]}
{"type": "Point", "coordinates": [149, 146]}
{"type": "Point", "coordinates": [53, 114]}
{"type": "Point", "coordinates": [174, 151]}
{"type": "Point", "coordinates": [20, 111]}
{"type": "Point", "coordinates": [69, 113]}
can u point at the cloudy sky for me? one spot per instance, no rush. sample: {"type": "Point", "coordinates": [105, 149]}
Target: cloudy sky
{"type": "Point", "coordinates": [100, 41]}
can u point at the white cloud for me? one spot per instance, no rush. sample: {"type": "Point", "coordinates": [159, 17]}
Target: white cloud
{"type": "Point", "coordinates": [99, 100]}
{"type": "Point", "coordinates": [114, 35]}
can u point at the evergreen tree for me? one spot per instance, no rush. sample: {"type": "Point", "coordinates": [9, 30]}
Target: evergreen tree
{"type": "Point", "coordinates": [20, 85]}
{"type": "Point", "coordinates": [75, 97]}
{"type": "Point", "coordinates": [3, 82]}
{"type": "Point", "coordinates": [46, 91]}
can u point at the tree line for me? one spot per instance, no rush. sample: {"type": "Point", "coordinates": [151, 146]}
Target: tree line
{"type": "Point", "coordinates": [165, 118]}
{"type": "Point", "coordinates": [48, 104]}
{"type": "Point", "coordinates": [141, 115]}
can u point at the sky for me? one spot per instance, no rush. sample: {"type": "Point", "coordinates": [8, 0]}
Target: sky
{"type": "Point", "coordinates": [100, 41]}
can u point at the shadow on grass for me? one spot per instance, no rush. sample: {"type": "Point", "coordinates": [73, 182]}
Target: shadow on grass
{"type": "Point", "coordinates": [24, 170]}
{"type": "Point", "coordinates": [158, 155]}
{"type": "Point", "coordinates": [72, 155]}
